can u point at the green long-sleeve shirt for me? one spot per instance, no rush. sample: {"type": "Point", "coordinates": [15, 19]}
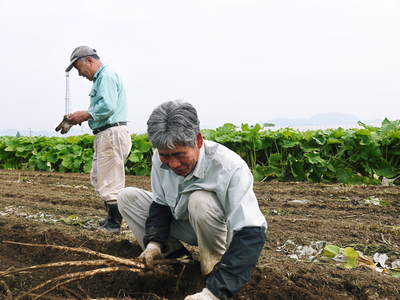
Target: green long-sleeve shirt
{"type": "Point", "coordinates": [108, 102]}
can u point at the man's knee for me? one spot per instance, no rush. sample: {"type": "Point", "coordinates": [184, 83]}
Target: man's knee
{"type": "Point", "coordinates": [202, 204]}
{"type": "Point", "coordinates": [127, 195]}
{"type": "Point", "coordinates": [197, 201]}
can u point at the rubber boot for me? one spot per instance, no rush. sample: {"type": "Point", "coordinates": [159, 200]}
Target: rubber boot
{"type": "Point", "coordinates": [113, 221]}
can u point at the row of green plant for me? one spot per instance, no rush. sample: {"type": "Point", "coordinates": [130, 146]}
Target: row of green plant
{"type": "Point", "coordinates": [70, 154]}
{"type": "Point", "coordinates": [359, 155]}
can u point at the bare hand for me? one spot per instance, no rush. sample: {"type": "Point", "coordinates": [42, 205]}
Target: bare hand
{"type": "Point", "coordinates": [78, 117]}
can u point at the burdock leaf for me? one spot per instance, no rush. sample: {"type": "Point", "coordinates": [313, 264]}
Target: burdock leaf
{"type": "Point", "coordinates": [351, 257]}
{"type": "Point", "coordinates": [330, 251]}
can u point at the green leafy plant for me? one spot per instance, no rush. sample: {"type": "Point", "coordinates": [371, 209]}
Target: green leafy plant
{"type": "Point", "coordinates": [362, 155]}
{"type": "Point", "coordinates": [330, 250]}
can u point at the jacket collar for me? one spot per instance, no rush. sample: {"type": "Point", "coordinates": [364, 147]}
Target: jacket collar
{"type": "Point", "coordinates": [99, 70]}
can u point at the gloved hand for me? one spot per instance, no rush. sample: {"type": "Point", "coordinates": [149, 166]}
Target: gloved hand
{"type": "Point", "coordinates": [65, 125]}
{"type": "Point", "coordinates": [205, 294]}
{"type": "Point", "coordinates": [152, 251]}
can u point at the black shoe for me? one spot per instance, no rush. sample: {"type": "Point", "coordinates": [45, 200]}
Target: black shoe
{"type": "Point", "coordinates": [110, 226]}
{"type": "Point", "coordinates": [113, 221]}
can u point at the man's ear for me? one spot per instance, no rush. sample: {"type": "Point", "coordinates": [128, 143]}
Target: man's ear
{"type": "Point", "coordinates": [89, 59]}
{"type": "Point", "coordinates": [199, 140]}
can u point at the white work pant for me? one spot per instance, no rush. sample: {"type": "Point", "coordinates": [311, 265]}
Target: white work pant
{"type": "Point", "coordinates": [206, 226]}
{"type": "Point", "coordinates": [111, 150]}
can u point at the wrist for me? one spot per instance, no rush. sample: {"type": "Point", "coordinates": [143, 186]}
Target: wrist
{"type": "Point", "coordinates": [153, 245]}
{"type": "Point", "coordinates": [88, 116]}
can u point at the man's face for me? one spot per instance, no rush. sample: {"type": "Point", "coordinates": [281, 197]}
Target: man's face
{"type": "Point", "coordinates": [182, 159]}
{"type": "Point", "coordinates": [84, 68]}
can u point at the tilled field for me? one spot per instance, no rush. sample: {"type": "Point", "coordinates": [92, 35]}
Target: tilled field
{"type": "Point", "coordinates": [62, 209]}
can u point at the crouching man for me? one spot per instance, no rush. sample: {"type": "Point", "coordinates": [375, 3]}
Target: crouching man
{"type": "Point", "coordinates": [202, 194]}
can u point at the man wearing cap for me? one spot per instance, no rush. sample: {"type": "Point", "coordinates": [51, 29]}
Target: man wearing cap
{"type": "Point", "coordinates": [107, 117]}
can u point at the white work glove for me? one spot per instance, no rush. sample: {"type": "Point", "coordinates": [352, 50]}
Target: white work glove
{"type": "Point", "coordinates": [65, 125]}
{"type": "Point", "coordinates": [152, 251]}
{"type": "Point", "coordinates": [205, 294]}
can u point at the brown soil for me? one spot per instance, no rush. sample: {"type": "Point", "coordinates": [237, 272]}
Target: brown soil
{"type": "Point", "coordinates": [62, 209]}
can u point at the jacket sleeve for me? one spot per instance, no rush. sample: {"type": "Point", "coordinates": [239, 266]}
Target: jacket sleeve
{"type": "Point", "coordinates": [160, 216]}
{"type": "Point", "coordinates": [236, 265]}
{"type": "Point", "coordinates": [157, 224]}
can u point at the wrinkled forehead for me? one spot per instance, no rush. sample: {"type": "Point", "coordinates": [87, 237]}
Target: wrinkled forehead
{"type": "Point", "coordinates": [177, 149]}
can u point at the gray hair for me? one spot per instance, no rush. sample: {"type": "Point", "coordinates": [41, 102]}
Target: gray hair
{"type": "Point", "coordinates": [173, 123]}
{"type": "Point", "coordinates": [95, 56]}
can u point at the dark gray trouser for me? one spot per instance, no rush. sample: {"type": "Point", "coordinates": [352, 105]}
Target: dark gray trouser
{"type": "Point", "coordinates": [206, 226]}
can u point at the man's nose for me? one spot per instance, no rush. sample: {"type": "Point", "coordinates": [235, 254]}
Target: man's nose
{"type": "Point", "coordinates": [173, 163]}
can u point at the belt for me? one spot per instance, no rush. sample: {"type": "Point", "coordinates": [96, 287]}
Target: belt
{"type": "Point", "coordinates": [97, 130]}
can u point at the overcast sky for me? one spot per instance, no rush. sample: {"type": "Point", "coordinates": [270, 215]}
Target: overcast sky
{"type": "Point", "coordinates": [238, 61]}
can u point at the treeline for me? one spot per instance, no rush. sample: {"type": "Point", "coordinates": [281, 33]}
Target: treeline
{"type": "Point", "coordinates": [359, 155]}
